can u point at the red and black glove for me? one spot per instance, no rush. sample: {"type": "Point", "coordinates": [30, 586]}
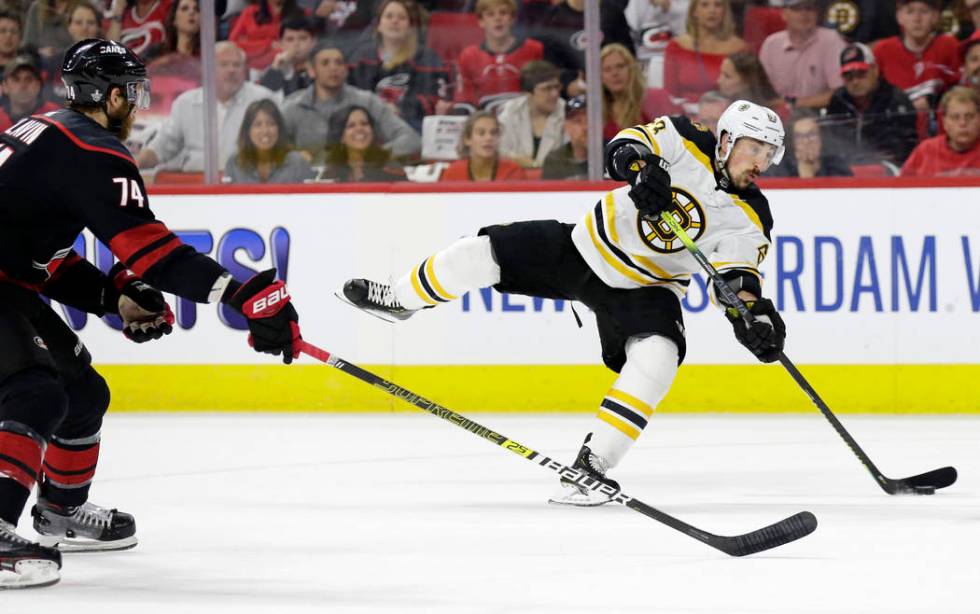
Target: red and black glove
{"type": "Point", "coordinates": [273, 323]}
{"type": "Point", "coordinates": [145, 314]}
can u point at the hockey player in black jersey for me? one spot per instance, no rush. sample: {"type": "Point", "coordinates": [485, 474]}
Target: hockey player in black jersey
{"type": "Point", "coordinates": [60, 173]}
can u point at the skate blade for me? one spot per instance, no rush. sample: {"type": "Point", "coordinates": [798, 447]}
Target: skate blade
{"type": "Point", "coordinates": [30, 573]}
{"type": "Point", "coordinates": [381, 316]}
{"type": "Point", "coordinates": [67, 544]}
{"type": "Point", "coordinates": [573, 497]}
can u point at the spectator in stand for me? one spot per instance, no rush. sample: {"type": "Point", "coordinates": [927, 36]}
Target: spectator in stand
{"type": "Point", "coordinates": [534, 120]}
{"type": "Point", "coordinates": [710, 107]}
{"type": "Point", "coordinates": [264, 154]}
{"type": "Point", "coordinates": [801, 60]}
{"type": "Point", "coordinates": [257, 30]}
{"type": "Point", "coordinates": [138, 24]}
{"type": "Point", "coordinates": [957, 152]}
{"type": "Point", "coordinates": [863, 21]}
{"type": "Point", "coordinates": [653, 24]}
{"type": "Point", "coordinates": [289, 70]}
{"type": "Point", "coordinates": [971, 60]}
{"type": "Point", "coordinates": [489, 72]}
{"type": "Point", "coordinates": [562, 32]}
{"type": "Point", "coordinates": [45, 27]}
{"type": "Point", "coordinates": [478, 150]}
{"type": "Point", "coordinates": [308, 111]}
{"type": "Point", "coordinates": [622, 90]}
{"type": "Point", "coordinates": [353, 152]}
{"type": "Point", "coordinates": [179, 143]}
{"type": "Point", "coordinates": [344, 23]}
{"type": "Point", "coordinates": [971, 10]}
{"type": "Point", "coordinates": [742, 77]}
{"type": "Point", "coordinates": [177, 65]}
{"type": "Point", "coordinates": [397, 67]}
{"type": "Point", "coordinates": [808, 157]}
{"type": "Point", "coordinates": [692, 61]}
{"type": "Point", "coordinates": [571, 160]}
{"type": "Point", "coordinates": [83, 21]}
{"type": "Point", "coordinates": [11, 27]}
{"type": "Point", "coordinates": [22, 91]}
{"type": "Point", "coordinates": [869, 120]}
{"type": "Point", "coordinates": [920, 61]}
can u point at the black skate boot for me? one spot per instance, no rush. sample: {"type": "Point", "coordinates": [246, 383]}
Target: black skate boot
{"type": "Point", "coordinates": [375, 298]}
{"type": "Point", "coordinates": [593, 466]}
{"type": "Point", "coordinates": [86, 528]}
{"type": "Point", "coordinates": [25, 564]}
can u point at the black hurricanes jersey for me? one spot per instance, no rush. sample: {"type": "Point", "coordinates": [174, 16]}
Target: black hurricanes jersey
{"type": "Point", "coordinates": [62, 172]}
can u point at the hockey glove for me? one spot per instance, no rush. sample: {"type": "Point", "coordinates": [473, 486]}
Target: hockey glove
{"type": "Point", "coordinates": [651, 192]}
{"type": "Point", "coordinates": [272, 320]}
{"type": "Point", "coordinates": [766, 336]}
{"type": "Point", "coordinates": [144, 312]}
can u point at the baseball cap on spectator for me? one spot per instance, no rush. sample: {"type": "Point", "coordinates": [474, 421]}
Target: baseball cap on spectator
{"type": "Point", "coordinates": [935, 4]}
{"type": "Point", "coordinates": [965, 45]}
{"type": "Point", "coordinates": [856, 56]}
{"type": "Point", "coordinates": [23, 61]}
{"type": "Point", "coordinates": [575, 103]}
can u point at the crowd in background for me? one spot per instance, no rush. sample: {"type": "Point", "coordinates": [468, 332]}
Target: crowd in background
{"type": "Point", "coordinates": [484, 90]}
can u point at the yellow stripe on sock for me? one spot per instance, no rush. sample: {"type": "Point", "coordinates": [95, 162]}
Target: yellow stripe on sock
{"type": "Point", "coordinates": [418, 287]}
{"type": "Point", "coordinates": [634, 402]}
{"type": "Point", "coordinates": [619, 425]}
{"type": "Point", "coordinates": [431, 274]}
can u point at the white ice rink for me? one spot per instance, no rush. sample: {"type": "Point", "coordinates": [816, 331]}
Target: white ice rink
{"type": "Point", "coordinates": [406, 513]}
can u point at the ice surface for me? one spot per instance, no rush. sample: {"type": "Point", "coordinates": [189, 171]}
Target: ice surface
{"type": "Point", "coordinates": [406, 513]}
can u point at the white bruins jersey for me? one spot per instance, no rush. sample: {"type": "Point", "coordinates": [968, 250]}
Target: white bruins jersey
{"type": "Point", "coordinates": [731, 227]}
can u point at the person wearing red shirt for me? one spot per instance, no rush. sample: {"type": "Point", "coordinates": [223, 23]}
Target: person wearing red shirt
{"type": "Point", "coordinates": [478, 148]}
{"type": "Point", "coordinates": [920, 61]}
{"type": "Point", "coordinates": [257, 30]}
{"type": "Point", "coordinates": [22, 92]}
{"type": "Point", "coordinates": [138, 24]}
{"type": "Point", "coordinates": [957, 152]}
{"type": "Point", "coordinates": [490, 72]}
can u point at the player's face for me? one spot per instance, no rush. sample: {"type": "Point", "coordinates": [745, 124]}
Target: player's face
{"type": "Point", "coordinates": [329, 69]}
{"type": "Point", "coordinates": [918, 19]}
{"type": "Point", "coordinates": [299, 43]}
{"type": "Point", "coordinates": [9, 36]}
{"type": "Point", "coordinates": [806, 140]}
{"type": "Point", "coordinates": [749, 159]}
{"type": "Point", "coordinates": [709, 113]}
{"type": "Point", "coordinates": [188, 17]}
{"type": "Point", "coordinates": [615, 73]}
{"type": "Point", "coordinates": [709, 14]}
{"type": "Point", "coordinates": [577, 129]}
{"type": "Point", "coordinates": [394, 24]}
{"type": "Point", "coordinates": [971, 64]}
{"type": "Point", "coordinates": [729, 81]}
{"type": "Point", "coordinates": [83, 23]}
{"type": "Point", "coordinates": [22, 87]}
{"type": "Point", "coordinates": [544, 97]}
{"type": "Point", "coordinates": [358, 133]}
{"type": "Point", "coordinates": [801, 18]}
{"type": "Point", "coordinates": [484, 139]}
{"type": "Point", "coordinates": [860, 83]}
{"type": "Point", "coordinates": [497, 21]}
{"type": "Point", "coordinates": [231, 72]}
{"type": "Point", "coordinates": [264, 132]}
{"type": "Point", "coordinates": [962, 124]}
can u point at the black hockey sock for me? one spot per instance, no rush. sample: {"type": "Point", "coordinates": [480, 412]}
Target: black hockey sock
{"type": "Point", "coordinates": [13, 498]}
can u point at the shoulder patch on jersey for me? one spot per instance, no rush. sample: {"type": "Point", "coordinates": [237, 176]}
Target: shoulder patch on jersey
{"type": "Point", "coordinates": [695, 133]}
{"type": "Point", "coordinates": [86, 134]}
{"type": "Point", "coordinates": [756, 206]}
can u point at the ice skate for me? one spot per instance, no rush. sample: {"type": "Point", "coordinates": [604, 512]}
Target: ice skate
{"type": "Point", "coordinates": [25, 564]}
{"type": "Point", "coordinates": [375, 298]}
{"type": "Point", "coordinates": [86, 528]}
{"type": "Point", "coordinates": [573, 494]}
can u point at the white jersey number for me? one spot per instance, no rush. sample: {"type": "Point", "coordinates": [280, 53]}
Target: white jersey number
{"type": "Point", "coordinates": [129, 190]}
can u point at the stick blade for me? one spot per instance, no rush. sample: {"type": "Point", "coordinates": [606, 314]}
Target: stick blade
{"type": "Point", "coordinates": [783, 532]}
{"type": "Point", "coordinates": [927, 483]}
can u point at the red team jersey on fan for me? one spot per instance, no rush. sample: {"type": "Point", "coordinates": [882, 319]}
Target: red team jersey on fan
{"type": "Point", "coordinates": [933, 157]}
{"type": "Point", "coordinates": [141, 33]}
{"type": "Point", "coordinates": [485, 76]}
{"type": "Point", "coordinates": [919, 74]}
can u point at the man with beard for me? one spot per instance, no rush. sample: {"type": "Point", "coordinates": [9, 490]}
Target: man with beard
{"type": "Point", "coordinates": [61, 173]}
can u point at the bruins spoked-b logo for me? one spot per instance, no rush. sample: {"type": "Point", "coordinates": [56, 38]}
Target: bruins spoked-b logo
{"type": "Point", "coordinates": [688, 213]}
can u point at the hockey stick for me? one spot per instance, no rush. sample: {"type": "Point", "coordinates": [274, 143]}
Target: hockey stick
{"type": "Point", "coordinates": [922, 484]}
{"type": "Point", "coordinates": [785, 531]}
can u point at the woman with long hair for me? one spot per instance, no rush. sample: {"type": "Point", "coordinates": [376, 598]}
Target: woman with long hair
{"type": "Point", "coordinates": [264, 153]}
{"type": "Point", "coordinates": [742, 77]}
{"type": "Point", "coordinates": [45, 27]}
{"type": "Point", "coordinates": [622, 90]}
{"type": "Point", "coordinates": [693, 59]}
{"type": "Point", "coordinates": [176, 66]}
{"type": "Point", "coordinates": [478, 150]}
{"type": "Point", "coordinates": [257, 30]}
{"type": "Point", "coordinates": [353, 152]}
{"type": "Point", "coordinates": [396, 66]}
{"type": "Point", "coordinates": [82, 20]}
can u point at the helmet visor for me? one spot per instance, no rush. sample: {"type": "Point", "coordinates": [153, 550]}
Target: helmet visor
{"type": "Point", "coordinates": [138, 93]}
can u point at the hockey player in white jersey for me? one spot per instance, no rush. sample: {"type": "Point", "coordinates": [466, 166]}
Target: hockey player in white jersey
{"type": "Point", "coordinates": [623, 262]}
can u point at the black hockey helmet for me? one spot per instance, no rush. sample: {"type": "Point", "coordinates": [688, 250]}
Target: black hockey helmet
{"type": "Point", "coordinates": [94, 65]}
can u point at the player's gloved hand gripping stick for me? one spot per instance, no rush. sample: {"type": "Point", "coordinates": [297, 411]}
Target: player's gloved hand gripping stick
{"type": "Point", "coordinates": [785, 531]}
{"type": "Point", "coordinates": [273, 324]}
{"type": "Point", "coordinates": [922, 484]}
{"type": "Point", "coordinates": [144, 312]}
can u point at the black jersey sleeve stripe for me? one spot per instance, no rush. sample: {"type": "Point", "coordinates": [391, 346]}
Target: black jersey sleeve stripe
{"type": "Point", "coordinates": [600, 226]}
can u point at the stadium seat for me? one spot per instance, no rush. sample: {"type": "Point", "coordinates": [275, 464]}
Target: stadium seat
{"type": "Point", "coordinates": [760, 22]}
{"type": "Point", "coordinates": [449, 32]}
{"type": "Point", "coordinates": [177, 177]}
{"type": "Point", "coordinates": [533, 173]}
{"type": "Point", "coordinates": [867, 171]}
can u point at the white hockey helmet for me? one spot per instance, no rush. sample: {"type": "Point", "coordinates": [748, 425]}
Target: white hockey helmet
{"type": "Point", "coordinates": [744, 118]}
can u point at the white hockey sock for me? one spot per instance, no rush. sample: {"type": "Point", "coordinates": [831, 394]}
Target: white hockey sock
{"type": "Point", "coordinates": [465, 265]}
{"type": "Point", "coordinates": [651, 364]}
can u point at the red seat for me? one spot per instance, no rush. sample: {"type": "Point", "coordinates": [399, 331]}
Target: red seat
{"type": "Point", "coordinates": [449, 32]}
{"type": "Point", "coordinates": [760, 22]}
{"type": "Point", "coordinates": [178, 177]}
{"type": "Point", "coordinates": [533, 173]}
{"type": "Point", "coordinates": [869, 170]}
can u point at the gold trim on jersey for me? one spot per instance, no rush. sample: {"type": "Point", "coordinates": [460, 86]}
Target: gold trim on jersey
{"type": "Point", "coordinates": [749, 211]}
{"type": "Point", "coordinates": [431, 275]}
{"type": "Point", "coordinates": [610, 259]}
{"type": "Point", "coordinates": [698, 154]}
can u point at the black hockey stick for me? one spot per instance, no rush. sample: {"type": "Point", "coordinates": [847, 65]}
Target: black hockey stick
{"type": "Point", "coordinates": [785, 531]}
{"type": "Point", "coordinates": [922, 484]}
